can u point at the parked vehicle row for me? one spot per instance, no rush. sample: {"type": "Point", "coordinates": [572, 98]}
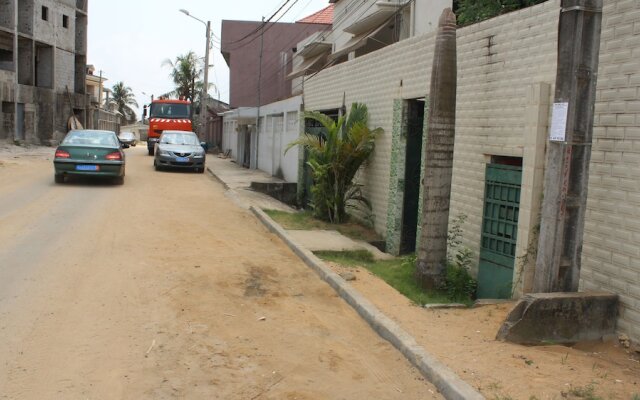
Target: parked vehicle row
{"type": "Point", "coordinates": [127, 139]}
{"type": "Point", "coordinates": [179, 149]}
{"type": "Point", "coordinates": [92, 153]}
{"type": "Point", "coordinates": [99, 153]}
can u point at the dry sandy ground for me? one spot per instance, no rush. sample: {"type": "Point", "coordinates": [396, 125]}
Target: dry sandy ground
{"type": "Point", "coordinates": [162, 294]}
{"type": "Point", "coordinates": [464, 339]}
{"type": "Point", "coordinates": [163, 288]}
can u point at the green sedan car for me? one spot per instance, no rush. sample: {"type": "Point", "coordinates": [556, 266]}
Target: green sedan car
{"type": "Point", "coordinates": [92, 153]}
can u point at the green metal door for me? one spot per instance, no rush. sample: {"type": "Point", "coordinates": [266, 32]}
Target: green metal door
{"type": "Point", "coordinates": [499, 231]}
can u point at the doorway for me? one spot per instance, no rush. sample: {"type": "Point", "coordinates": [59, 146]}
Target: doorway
{"type": "Point", "coordinates": [503, 179]}
{"type": "Point", "coordinates": [413, 129]}
{"type": "Point", "coordinates": [20, 120]}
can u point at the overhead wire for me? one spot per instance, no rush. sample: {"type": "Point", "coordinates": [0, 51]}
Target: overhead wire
{"type": "Point", "coordinates": [254, 31]}
{"type": "Point", "coordinates": [330, 31]}
{"type": "Point", "coordinates": [328, 64]}
{"type": "Point", "coordinates": [264, 28]}
{"type": "Point", "coordinates": [324, 32]}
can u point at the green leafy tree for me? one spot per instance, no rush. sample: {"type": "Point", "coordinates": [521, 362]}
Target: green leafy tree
{"type": "Point", "coordinates": [335, 158]}
{"type": "Point", "coordinates": [472, 11]}
{"type": "Point", "coordinates": [187, 73]}
{"type": "Point", "coordinates": [123, 100]}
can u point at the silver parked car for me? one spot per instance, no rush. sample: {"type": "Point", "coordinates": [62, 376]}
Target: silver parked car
{"type": "Point", "coordinates": [127, 138]}
{"type": "Point", "coordinates": [179, 149]}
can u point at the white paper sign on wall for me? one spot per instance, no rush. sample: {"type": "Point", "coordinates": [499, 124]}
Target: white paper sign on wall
{"type": "Point", "coordinates": [558, 131]}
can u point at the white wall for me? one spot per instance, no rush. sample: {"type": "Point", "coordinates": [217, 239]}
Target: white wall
{"type": "Point", "coordinates": [281, 127]}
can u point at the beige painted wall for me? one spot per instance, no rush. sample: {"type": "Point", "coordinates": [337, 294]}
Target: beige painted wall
{"type": "Point", "coordinates": [611, 252]}
{"type": "Point", "coordinates": [506, 74]}
{"type": "Point", "coordinates": [504, 92]}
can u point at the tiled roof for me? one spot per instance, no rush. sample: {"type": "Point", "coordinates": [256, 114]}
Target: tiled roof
{"type": "Point", "coordinates": [324, 16]}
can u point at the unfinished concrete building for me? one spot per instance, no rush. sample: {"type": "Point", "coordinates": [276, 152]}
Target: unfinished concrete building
{"type": "Point", "coordinates": [43, 54]}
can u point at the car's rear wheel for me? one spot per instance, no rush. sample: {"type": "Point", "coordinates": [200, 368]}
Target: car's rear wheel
{"type": "Point", "coordinates": [119, 180]}
{"type": "Point", "coordinates": [201, 170]}
{"type": "Point", "coordinates": [59, 178]}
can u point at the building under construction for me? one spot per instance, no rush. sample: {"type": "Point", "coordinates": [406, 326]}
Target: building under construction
{"type": "Point", "coordinates": [43, 57]}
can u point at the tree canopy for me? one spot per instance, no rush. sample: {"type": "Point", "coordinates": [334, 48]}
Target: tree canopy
{"type": "Point", "coordinates": [472, 11]}
{"type": "Point", "coordinates": [186, 73]}
{"type": "Point", "coordinates": [123, 99]}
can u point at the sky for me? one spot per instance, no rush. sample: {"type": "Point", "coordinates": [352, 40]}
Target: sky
{"type": "Point", "coordinates": [128, 40]}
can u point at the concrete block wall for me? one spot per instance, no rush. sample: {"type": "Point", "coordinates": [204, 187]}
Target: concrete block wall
{"type": "Point", "coordinates": [230, 137]}
{"type": "Point", "coordinates": [498, 62]}
{"type": "Point", "coordinates": [64, 70]}
{"type": "Point", "coordinates": [506, 71]}
{"type": "Point", "coordinates": [611, 251]}
{"type": "Point", "coordinates": [45, 31]}
{"type": "Point", "coordinates": [6, 13]}
{"type": "Point", "coordinates": [65, 37]}
{"type": "Point", "coordinates": [400, 71]}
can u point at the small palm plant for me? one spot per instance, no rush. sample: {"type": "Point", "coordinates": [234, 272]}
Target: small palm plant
{"type": "Point", "coordinates": [335, 158]}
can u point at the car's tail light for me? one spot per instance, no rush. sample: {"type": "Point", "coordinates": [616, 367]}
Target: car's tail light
{"type": "Point", "coordinates": [62, 154]}
{"type": "Point", "coordinates": [115, 156]}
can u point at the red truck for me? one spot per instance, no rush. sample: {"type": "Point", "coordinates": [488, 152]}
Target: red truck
{"type": "Point", "coordinates": [167, 114]}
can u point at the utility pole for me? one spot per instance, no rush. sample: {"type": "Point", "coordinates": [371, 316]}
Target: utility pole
{"type": "Point", "coordinates": [100, 91]}
{"type": "Point", "coordinates": [204, 96]}
{"type": "Point", "coordinates": [259, 84]}
{"type": "Point", "coordinates": [16, 134]}
{"type": "Point", "coordinates": [569, 148]}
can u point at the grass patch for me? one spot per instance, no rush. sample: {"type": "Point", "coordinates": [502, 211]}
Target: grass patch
{"type": "Point", "coordinates": [397, 272]}
{"type": "Point", "coordinates": [304, 220]}
{"type": "Point", "coordinates": [584, 392]}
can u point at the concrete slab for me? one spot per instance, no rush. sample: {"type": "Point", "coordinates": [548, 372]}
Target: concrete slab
{"type": "Point", "coordinates": [567, 318]}
{"type": "Point", "coordinates": [330, 240]}
{"type": "Point", "coordinates": [235, 176]}
{"type": "Point", "coordinates": [238, 181]}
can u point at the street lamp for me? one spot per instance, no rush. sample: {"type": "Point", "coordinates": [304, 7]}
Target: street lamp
{"type": "Point", "coordinates": [203, 95]}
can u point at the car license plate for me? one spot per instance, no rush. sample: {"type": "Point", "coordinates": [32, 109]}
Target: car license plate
{"type": "Point", "coordinates": [87, 167]}
{"type": "Point", "coordinates": [182, 159]}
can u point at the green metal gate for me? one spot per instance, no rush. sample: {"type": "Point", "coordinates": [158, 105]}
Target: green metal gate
{"type": "Point", "coordinates": [499, 231]}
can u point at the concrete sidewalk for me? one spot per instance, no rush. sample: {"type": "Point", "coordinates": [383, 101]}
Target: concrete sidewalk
{"type": "Point", "coordinates": [238, 181]}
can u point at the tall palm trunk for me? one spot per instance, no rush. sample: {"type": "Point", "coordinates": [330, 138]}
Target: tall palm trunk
{"type": "Point", "coordinates": [432, 248]}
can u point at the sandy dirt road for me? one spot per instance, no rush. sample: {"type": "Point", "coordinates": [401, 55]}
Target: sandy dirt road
{"type": "Point", "coordinates": [164, 288]}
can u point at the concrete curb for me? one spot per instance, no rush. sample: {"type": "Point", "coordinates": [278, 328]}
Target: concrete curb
{"type": "Point", "coordinates": [447, 382]}
{"type": "Point", "coordinates": [218, 178]}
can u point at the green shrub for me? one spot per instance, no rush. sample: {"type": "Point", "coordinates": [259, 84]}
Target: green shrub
{"type": "Point", "coordinates": [458, 282]}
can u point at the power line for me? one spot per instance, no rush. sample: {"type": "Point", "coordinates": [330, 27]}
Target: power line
{"type": "Point", "coordinates": [330, 31]}
{"type": "Point", "coordinates": [261, 25]}
{"type": "Point", "coordinates": [325, 32]}
{"type": "Point", "coordinates": [329, 63]}
{"type": "Point", "coordinates": [264, 30]}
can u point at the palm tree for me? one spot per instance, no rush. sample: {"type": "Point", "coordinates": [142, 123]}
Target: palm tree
{"type": "Point", "coordinates": [123, 99]}
{"type": "Point", "coordinates": [335, 158]}
{"type": "Point", "coordinates": [186, 72]}
{"type": "Point", "coordinates": [438, 156]}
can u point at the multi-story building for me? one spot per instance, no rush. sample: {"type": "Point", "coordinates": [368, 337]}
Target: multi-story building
{"type": "Point", "coordinates": [43, 56]}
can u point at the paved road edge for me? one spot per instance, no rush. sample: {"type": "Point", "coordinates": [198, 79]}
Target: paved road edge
{"type": "Point", "coordinates": [448, 383]}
